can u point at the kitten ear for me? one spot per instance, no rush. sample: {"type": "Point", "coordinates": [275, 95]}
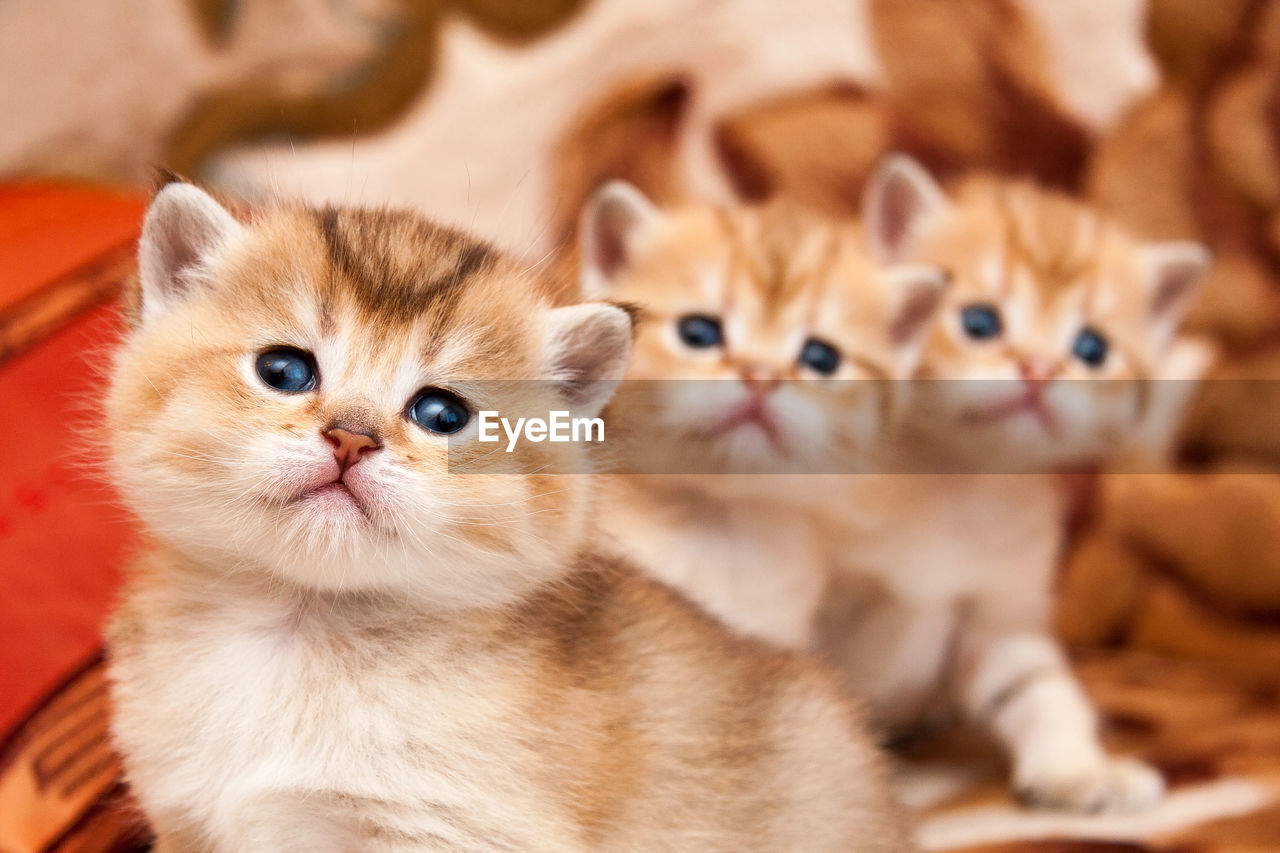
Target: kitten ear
{"type": "Point", "coordinates": [616, 213]}
{"type": "Point", "coordinates": [1174, 273]}
{"type": "Point", "coordinates": [916, 292]}
{"type": "Point", "coordinates": [183, 229]}
{"type": "Point", "coordinates": [587, 350]}
{"type": "Point", "coordinates": [900, 201]}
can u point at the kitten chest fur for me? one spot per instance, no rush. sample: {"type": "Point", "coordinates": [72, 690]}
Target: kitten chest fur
{"type": "Point", "coordinates": [229, 697]}
{"type": "Point", "coordinates": [923, 556]}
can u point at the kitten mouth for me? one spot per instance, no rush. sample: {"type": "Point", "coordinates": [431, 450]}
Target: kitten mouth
{"type": "Point", "coordinates": [334, 492]}
{"type": "Point", "coordinates": [752, 413]}
{"type": "Point", "coordinates": [1030, 403]}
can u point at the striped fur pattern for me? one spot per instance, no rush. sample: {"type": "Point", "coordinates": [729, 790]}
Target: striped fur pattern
{"type": "Point", "coordinates": [931, 593]}
{"type": "Point", "coordinates": [772, 279]}
{"type": "Point", "coordinates": [404, 658]}
{"type": "Point", "coordinates": [941, 598]}
{"type": "Point", "coordinates": [1049, 269]}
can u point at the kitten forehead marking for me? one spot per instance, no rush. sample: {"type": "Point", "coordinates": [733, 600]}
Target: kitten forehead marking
{"type": "Point", "coordinates": [1054, 238]}
{"type": "Point", "coordinates": [781, 250]}
{"type": "Point", "coordinates": [383, 256]}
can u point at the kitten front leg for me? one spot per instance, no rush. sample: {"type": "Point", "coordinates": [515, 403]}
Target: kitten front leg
{"type": "Point", "coordinates": [1021, 687]}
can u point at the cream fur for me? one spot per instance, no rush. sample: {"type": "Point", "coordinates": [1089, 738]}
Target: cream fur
{"type": "Point", "coordinates": [932, 592]}
{"type": "Point", "coordinates": [977, 553]}
{"type": "Point", "coordinates": [385, 655]}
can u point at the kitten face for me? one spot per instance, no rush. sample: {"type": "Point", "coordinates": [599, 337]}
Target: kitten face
{"type": "Point", "coordinates": [742, 310]}
{"type": "Point", "coordinates": [287, 401]}
{"type": "Point", "coordinates": [1045, 296]}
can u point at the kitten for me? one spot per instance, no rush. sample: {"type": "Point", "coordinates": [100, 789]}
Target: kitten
{"type": "Point", "coordinates": [333, 643]}
{"type": "Point", "coordinates": [943, 588]}
{"type": "Point", "coordinates": [741, 308]}
{"type": "Point", "coordinates": [931, 593]}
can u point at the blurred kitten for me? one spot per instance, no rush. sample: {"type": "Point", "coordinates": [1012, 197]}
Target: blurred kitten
{"type": "Point", "coordinates": [943, 591]}
{"type": "Point", "coordinates": [931, 592]}
{"type": "Point", "coordinates": [745, 312]}
{"type": "Point", "coordinates": [333, 643]}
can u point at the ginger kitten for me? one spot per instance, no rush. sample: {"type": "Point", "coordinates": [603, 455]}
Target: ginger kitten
{"type": "Point", "coordinates": [1063, 328]}
{"type": "Point", "coordinates": [334, 643]}
{"type": "Point", "coordinates": [932, 593]}
{"type": "Point", "coordinates": [757, 324]}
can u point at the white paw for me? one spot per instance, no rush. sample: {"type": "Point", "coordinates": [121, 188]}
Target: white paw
{"type": "Point", "coordinates": [1099, 784]}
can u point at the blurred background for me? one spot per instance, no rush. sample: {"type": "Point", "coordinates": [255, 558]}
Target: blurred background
{"type": "Point", "coordinates": [501, 116]}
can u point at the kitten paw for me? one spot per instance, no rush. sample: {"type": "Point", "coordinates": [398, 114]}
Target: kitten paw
{"type": "Point", "coordinates": [1114, 785]}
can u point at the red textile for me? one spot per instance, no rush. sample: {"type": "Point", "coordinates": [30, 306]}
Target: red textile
{"type": "Point", "coordinates": [47, 230]}
{"type": "Point", "coordinates": [61, 538]}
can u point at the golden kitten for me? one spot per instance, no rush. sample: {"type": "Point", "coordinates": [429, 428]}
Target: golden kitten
{"type": "Point", "coordinates": [1063, 328]}
{"type": "Point", "coordinates": [757, 322]}
{"type": "Point", "coordinates": [931, 593]}
{"type": "Point", "coordinates": [334, 643]}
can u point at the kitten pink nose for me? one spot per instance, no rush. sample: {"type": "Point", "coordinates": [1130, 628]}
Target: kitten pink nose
{"type": "Point", "coordinates": [759, 380]}
{"type": "Point", "coordinates": [349, 447]}
{"type": "Point", "coordinates": [1036, 372]}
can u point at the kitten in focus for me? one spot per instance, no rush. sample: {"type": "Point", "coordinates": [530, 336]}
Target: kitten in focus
{"type": "Point", "coordinates": [333, 643]}
{"type": "Point", "coordinates": [756, 324]}
{"type": "Point", "coordinates": [1064, 330]}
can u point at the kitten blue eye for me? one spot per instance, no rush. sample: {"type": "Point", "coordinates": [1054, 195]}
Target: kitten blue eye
{"type": "Point", "coordinates": [438, 411]}
{"type": "Point", "coordinates": [288, 370]}
{"type": "Point", "coordinates": [1090, 347]}
{"type": "Point", "coordinates": [700, 331]}
{"type": "Point", "coordinates": [820, 356]}
{"type": "Point", "coordinates": [981, 322]}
